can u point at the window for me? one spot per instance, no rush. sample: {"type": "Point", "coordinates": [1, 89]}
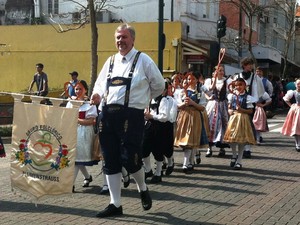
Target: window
{"type": "Point", "coordinates": [254, 22]}
{"type": "Point", "coordinates": [53, 6]}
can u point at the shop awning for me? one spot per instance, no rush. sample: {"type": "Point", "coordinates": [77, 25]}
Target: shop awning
{"type": "Point", "coordinates": [192, 49]}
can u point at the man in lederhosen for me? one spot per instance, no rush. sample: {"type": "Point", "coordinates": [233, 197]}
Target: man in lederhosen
{"type": "Point", "coordinates": [126, 83]}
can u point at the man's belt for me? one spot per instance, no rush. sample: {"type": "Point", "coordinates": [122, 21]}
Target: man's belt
{"type": "Point", "coordinates": [113, 108]}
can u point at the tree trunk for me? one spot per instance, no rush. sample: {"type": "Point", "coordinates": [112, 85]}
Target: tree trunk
{"type": "Point", "coordinates": [250, 41]}
{"type": "Point", "coordinates": [94, 46]}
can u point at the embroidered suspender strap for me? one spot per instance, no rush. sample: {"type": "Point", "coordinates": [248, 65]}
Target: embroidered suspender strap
{"type": "Point", "coordinates": [129, 79]}
{"type": "Point", "coordinates": [111, 66]}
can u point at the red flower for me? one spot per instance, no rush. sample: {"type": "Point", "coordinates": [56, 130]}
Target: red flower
{"type": "Point", "coordinates": [64, 152]}
{"type": "Point", "coordinates": [21, 146]}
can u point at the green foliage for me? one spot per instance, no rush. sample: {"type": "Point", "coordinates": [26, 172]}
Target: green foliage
{"type": "Point", "coordinates": [5, 131]}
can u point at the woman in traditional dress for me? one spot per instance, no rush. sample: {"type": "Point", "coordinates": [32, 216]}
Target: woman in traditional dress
{"type": "Point", "coordinates": [291, 126]}
{"type": "Point", "coordinates": [192, 123]}
{"type": "Point", "coordinates": [217, 110]}
{"type": "Point", "coordinates": [239, 131]}
{"type": "Point", "coordinates": [85, 133]}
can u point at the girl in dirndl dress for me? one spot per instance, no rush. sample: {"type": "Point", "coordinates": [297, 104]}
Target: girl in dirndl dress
{"type": "Point", "coordinates": [192, 123]}
{"type": "Point", "coordinates": [85, 133]}
{"type": "Point", "coordinates": [239, 131]}
{"type": "Point", "coordinates": [291, 125]}
{"type": "Point", "coordinates": [260, 118]}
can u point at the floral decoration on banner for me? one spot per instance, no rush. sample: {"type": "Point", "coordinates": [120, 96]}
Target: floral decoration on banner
{"type": "Point", "coordinates": [25, 156]}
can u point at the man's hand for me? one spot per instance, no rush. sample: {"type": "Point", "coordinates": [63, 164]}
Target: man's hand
{"type": "Point", "coordinates": [95, 99]}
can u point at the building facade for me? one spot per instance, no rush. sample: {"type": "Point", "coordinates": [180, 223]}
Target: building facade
{"type": "Point", "coordinates": [199, 24]}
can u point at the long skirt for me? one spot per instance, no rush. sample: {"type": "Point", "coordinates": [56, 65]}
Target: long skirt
{"type": "Point", "coordinates": [217, 113]}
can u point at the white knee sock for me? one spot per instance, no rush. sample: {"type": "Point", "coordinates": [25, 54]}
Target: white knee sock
{"type": "Point", "coordinates": [192, 157]}
{"type": "Point", "coordinates": [240, 154]}
{"type": "Point", "coordinates": [104, 179]}
{"type": "Point", "coordinates": [186, 158]}
{"type": "Point", "coordinates": [233, 148]}
{"type": "Point", "coordinates": [125, 174]}
{"type": "Point", "coordinates": [247, 148]}
{"type": "Point", "coordinates": [84, 172]}
{"type": "Point", "coordinates": [75, 173]}
{"type": "Point", "coordinates": [258, 136]}
{"type": "Point", "coordinates": [139, 178]}
{"type": "Point", "coordinates": [114, 185]}
{"type": "Point", "coordinates": [158, 168]}
{"type": "Point", "coordinates": [147, 163]}
{"type": "Point", "coordinates": [170, 161]}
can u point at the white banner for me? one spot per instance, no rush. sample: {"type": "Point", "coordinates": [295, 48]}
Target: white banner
{"type": "Point", "coordinates": [43, 148]}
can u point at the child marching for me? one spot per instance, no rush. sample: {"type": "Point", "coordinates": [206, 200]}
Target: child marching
{"type": "Point", "coordinates": [291, 126]}
{"type": "Point", "coordinates": [239, 131]}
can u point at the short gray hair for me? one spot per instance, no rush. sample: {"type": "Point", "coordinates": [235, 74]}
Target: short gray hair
{"type": "Point", "coordinates": [126, 26]}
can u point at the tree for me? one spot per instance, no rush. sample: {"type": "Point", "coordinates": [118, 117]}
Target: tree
{"type": "Point", "coordinates": [252, 9]}
{"type": "Point", "coordinates": [87, 15]}
{"type": "Point", "coordinates": [287, 32]}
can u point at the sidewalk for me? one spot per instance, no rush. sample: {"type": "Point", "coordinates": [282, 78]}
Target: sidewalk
{"type": "Point", "coordinates": [266, 191]}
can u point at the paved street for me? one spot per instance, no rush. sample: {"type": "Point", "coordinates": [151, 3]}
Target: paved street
{"type": "Point", "coordinates": [266, 191]}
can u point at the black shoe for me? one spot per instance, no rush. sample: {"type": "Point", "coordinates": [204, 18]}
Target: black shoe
{"type": "Point", "coordinates": [247, 154]}
{"type": "Point", "coordinates": [190, 167]}
{"type": "Point", "coordinates": [73, 189]}
{"type": "Point", "coordinates": [232, 162]}
{"type": "Point", "coordinates": [198, 157]}
{"type": "Point", "coordinates": [222, 152]}
{"type": "Point", "coordinates": [298, 149]}
{"type": "Point", "coordinates": [155, 179]}
{"type": "Point", "coordinates": [126, 183]}
{"type": "Point", "coordinates": [87, 181]}
{"type": "Point", "coordinates": [261, 139]}
{"type": "Point", "coordinates": [110, 210]}
{"type": "Point", "coordinates": [237, 166]}
{"type": "Point", "coordinates": [146, 200]}
{"type": "Point", "coordinates": [208, 153]}
{"type": "Point", "coordinates": [104, 191]}
{"type": "Point", "coordinates": [169, 170]}
{"type": "Point", "coordinates": [148, 174]}
{"type": "Point", "coordinates": [186, 170]}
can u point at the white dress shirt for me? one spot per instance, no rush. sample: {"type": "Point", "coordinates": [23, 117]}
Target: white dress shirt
{"type": "Point", "coordinates": [147, 81]}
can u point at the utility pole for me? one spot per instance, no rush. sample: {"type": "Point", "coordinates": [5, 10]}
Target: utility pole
{"type": "Point", "coordinates": [161, 35]}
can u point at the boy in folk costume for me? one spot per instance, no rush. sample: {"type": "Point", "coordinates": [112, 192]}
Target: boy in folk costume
{"type": "Point", "coordinates": [159, 134]}
{"type": "Point", "coordinates": [291, 126]}
{"type": "Point", "coordinates": [239, 131]}
{"type": "Point", "coordinates": [192, 123]}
